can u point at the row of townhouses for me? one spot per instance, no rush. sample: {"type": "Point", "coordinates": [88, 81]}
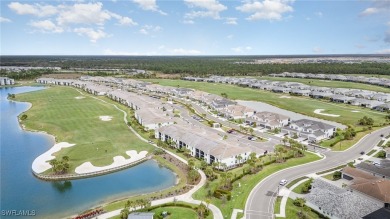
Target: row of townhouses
{"type": "Point", "coordinates": [385, 82]}
{"type": "Point", "coordinates": [370, 99]}
{"type": "Point", "coordinates": [6, 81]}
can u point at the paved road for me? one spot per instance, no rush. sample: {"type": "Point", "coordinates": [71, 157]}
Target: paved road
{"type": "Point", "coordinates": [261, 200]}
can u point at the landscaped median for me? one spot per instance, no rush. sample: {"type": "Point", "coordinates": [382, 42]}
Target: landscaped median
{"type": "Point", "coordinates": [82, 121]}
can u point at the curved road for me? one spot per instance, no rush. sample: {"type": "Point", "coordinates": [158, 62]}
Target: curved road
{"type": "Point", "coordinates": [260, 203]}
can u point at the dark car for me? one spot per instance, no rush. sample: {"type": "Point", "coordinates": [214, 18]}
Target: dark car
{"type": "Point", "coordinates": [382, 135]}
{"type": "Point", "coordinates": [362, 152]}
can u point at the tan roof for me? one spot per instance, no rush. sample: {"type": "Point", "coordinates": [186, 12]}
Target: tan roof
{"type": "Point", "coordinates": [379, 189]}
{"type": "Point", "coordinates": [369, 184]}
{"type": "Point", "coordinates": [356, 173]}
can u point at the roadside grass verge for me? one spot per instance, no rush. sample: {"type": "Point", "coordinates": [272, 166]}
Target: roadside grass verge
{"type": "Point", "coordinates": [371, 152]}
{"type": "Point", "coordinates": [331, 170]}
{"type": "Point", "coordinates": [295, 181]}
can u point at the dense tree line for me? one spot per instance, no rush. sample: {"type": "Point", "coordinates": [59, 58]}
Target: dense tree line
{"type": "Point", "coordinates": [198, 66]}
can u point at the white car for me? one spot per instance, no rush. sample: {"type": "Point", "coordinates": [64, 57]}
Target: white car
{"type": "Point", "coordinates": [283, 182]}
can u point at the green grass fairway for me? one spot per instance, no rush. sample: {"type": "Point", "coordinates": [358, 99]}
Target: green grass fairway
{"type": "Point", "coordinates": [177, 212]}
{"type": "Point", "coordinates": [57, 112]}
{"type": "Point", "coordinates": [329, 83]}
{"type": "Point", "coordinates": [303, 105]}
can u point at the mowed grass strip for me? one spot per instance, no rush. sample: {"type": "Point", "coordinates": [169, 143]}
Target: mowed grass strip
{"type": "Point", "coordinates": [303, 105]}
{"type": "Point", "coordinates": [331, 84]}
{"type": "Point", "coordinates": [57, 112]}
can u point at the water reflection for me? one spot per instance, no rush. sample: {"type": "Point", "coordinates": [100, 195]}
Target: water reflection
{"type": "Point", "coordinates": [62, 186]}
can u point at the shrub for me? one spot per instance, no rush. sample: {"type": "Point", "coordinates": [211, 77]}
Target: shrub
{"type": "Point", "coordinates": [219, 193]}
{"type": "Point", "coordinates": [382, 154]}
{"type": "Point", "coordinates": [337, 175]}
{"type": "Point", "coordinates": [23, 117]}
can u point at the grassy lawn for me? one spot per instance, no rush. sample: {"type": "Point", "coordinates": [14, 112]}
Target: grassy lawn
{"type": "Point", "coordinates": [277, 204]}
{"type": "Point", "coordinates": [332, 84]}
{"type": "Point", "coordinates": [57, 112]}
{"type": "Point", "coordinates": [345, 144]}
{"type": "Point", "coordinates": [298, 189]}
{"type": "Point", "coordinates": [303, 105]}
{"type": "Point", "coordinates": [295, 181]}
{"type": "Point", "coordinates": [292, 211]}
{"type": "Point", "coordinates": [177, 212]}
{"type": "Point", "coordinates": [371, 152]}
{"type": "Point", "coordinates": [329, 176]}
{"type": "Point", "coordinates": [248, 182]}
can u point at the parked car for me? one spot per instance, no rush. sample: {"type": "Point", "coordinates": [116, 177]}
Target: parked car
{"type": "Point", "coordinates": [362, 153]}
{"type": "Point", "coordinates": [283, 182]}
{"type": "Point", "coordinates": [382, 135]}
{"type": "Point", "coordinates": [231, 131]}
{"type": "Point", "coordinates": [376, 164]}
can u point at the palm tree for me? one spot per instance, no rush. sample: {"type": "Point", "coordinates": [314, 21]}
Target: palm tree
{"type": "Point", "coordinates": [209, 171]}
{"type": "Point", "coordinates": [125, 213]}
{"type": "Point", "coordinates": [224, 166]}
{"type": "Point", "coordinates": [53, 164]}
{"type": "Point", "coordinates": [201, 210]}
{"type": "Point", "coordinates": [65, 158]}
{"type": "Point", "coordinates": [239, 158]}
{"type": "Point", "coordinates": [285, 139]}
{"type": "Point", "coordinates": [229, 177]}
{"type": "Point", "coordinates": [191, 163]}
{"type": "Point", "coordinates": [252, 156]}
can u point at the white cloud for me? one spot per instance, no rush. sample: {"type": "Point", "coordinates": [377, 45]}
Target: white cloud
{"type": "Point", "coordinates": [230, 36]}
{"type": "Point", "coordinates": [149, 5]}
{"type": "Point", "coordinates": [90, 13]}
{"type": "Point", "coordinates": [319, 14]}
{"type": "Point", "coordinates": [267, 9]}
{"type": "Point", "coordinates": [209, 8]}
{"type": "Point", "coordinates": [181, 51]}
{"type": "Point", "coordinates": [231, 20]}
{"type": "Point", "coordinates": [46, 26]}
{"type": "Point", "coordinates": [383, 51]}
{"type": "Point", "coordinates": [317, 50]}
{"type": "Point", "coordinates": [188, 22]}
{"type": "Point", "coordinates": [241, 49]}
{"type": "Point", "coordinates": [123, 21]}
{"type": "Point", "coordinates": [148, 29]}
{"type": "Point", "coordinates": [92, 34]}
{"type": "Point", "coordinates": [369, 11]}
{"type": "Point", "coordinates": [36, 9]}
{"type": "Point", "coordinates": [71, 17]}
{"type": "Point", "coordinates": [4, 20]}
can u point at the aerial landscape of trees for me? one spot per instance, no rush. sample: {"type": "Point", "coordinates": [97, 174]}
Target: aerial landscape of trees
{"type": "Point", "coordinates": [185, 65]}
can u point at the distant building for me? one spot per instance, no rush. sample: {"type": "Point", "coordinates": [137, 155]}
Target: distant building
{"type": "Point", "coordinates": [6, 81]}
{"type": "Point", "coordinates": [140, 215]}
{"type": "Point", "coordinates": [311, 130]}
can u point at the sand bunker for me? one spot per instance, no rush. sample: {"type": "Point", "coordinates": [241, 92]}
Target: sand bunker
{"type": "Point", "coordinates": [87, 167]}
{"type": "Point", "coordinates": [284, 97]}
{"type": "Point", "coordinates": [355, 111]}
{"type": "Point", "coordinates": [105, 118]}
{"type": "Point", "coordinates": [319, 111]}
{"type": "Point", "coordinates": [41, 163]}
{"type": "Point", "coordinates": [79, 97]}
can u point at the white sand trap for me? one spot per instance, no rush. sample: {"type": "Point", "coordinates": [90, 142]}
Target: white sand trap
{"type": "Point", "coordinates": [284, 97]}
{"type": "Point", "coordinates": [105, 118]}
{"type": "Point", "coordinates": [79, 97]}
{"type": "Point", "coordinates": [40, 163]}
{"type": "Point", "coordinates": [318, 111]}
{"type": "Point", "coordinates": [87, 167]}
{"type": "Point", "coordinates": [355, 111]}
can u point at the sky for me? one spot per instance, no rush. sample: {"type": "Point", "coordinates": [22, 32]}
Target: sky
{"type": "Point", "coordinates": [194, 27]}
